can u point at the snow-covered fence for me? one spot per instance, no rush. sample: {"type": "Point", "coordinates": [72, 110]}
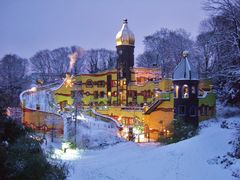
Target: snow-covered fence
{"type": "Point", "coordinates": [106, 118]}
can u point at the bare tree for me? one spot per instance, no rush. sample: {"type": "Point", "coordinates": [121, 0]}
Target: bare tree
{"type": "Point", "coordinates": [51, 65]}
{"type": "Point", "coordinates": [13, 76]}
{"type": "Point", "coordinates": [99, 59]}
{"type": "Point", "coordinates": [164, 49]}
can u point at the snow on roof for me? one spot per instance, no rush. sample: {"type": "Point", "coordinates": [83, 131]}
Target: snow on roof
{"type": "Point", "coordinates": [185, 71]}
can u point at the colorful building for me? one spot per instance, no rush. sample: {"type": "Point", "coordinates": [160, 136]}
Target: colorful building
{"type": "Point", "coordinates": [140, 97]}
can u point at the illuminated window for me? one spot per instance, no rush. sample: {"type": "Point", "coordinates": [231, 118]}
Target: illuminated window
{"type": "Point", "coordinates": [176, 91]}
{"type": "Point", "coordinates": [114, 83]}
{"type": "Point", "coordinates": [89, 83]}
{"type": "Point", "coordinates": [193, 90]}
{"type": "Point", "coordinates": [185, 92]}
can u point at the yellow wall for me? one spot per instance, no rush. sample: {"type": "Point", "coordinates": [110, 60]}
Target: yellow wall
{"type": "Point", "coordinates": [39, 118]}
{"type": "Point", "coordinates": [163, 113]}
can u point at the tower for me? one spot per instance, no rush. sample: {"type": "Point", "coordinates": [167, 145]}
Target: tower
{"type": "Point", "coordinates": [125, 49]}
{"type": "Point", "coordinates": [185, 81]}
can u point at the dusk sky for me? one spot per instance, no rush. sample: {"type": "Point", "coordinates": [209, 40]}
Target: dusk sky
{"type": "Point", "coordinates": [31, 25]}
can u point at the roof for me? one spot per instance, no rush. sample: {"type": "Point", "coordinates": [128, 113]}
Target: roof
{"type": "Point", "coordinates": [185, 71]}
{"type": "Point", "coordinates": [125, 36]}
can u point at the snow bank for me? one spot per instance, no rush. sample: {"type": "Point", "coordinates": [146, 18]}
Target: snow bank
{"type": "Point", "coordinates": [91, 132]}
{"type": "Point", "coordinates": [194, 158]}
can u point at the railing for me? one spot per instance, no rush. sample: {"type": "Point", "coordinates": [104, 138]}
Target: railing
{"type": "Point", "coordinates": [164, 95]}
{"type": "Point", "coordinates": [104, 117]}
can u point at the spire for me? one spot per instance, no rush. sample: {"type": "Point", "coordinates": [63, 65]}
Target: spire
{"type": "Point", "coordinates": [185, 70]}
{"type": "Point", "coordinates": [125, 36]}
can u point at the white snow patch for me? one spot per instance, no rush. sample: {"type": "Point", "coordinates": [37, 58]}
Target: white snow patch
{"type": "Point", "coordinates": [186, 160]}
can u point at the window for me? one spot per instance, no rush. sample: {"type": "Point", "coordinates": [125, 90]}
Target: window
{"type": "Point", "coordinates": [201, 110]}
{"type": "Point", "coordinates": [175, 110]}
{"type": "Point", "coordinates": [192, 111]}
{"type": "Point", "coordinates": [193, 90]}
{"type": "Point", "coordinates": [95, 94]}
{"type": "Point", "coordinates": [102, 94]}
{"type": "Point", "coordinates": [114, 83]}
{"type": "Point", "coordinates": [185, 92]}
{"type": "Point", "coordinates": [181, 110]}
{"type": "Point", "coordinates": [79, 83]}
{"type": "Point", "coordinates": [89, 83]}
{"type": "Point", "coordinates": [149, 93]}
{"type": "Point", "coordinates": [205, 110]}
{"type": "Point", "coordinates": [100, 84]}
{"type": "Point", "coordinates": [114, 93]}
{"type": "Point", "coordinates": [176, 88]}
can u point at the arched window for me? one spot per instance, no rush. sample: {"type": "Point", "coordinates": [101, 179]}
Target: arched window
{"type": "Point", "coordinates": [185, 91]}
{"type": "Point", "coordinates": [89, 83]}
{"type": "Point", "coordinates": [193, 90]}
{"type": "Point", "coordinates": [192, 111]}
{"type": "Point", "coordinates": [176, 88]}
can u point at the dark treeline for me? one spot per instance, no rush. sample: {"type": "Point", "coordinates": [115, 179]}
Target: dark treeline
{"type": "Point", "coordinates": [215, 52]}
{"type": "Point", "coordinates": [18, 74]}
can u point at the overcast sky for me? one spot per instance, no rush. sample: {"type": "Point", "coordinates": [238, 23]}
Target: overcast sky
{"type": "Point", "coordinates": [27, 26]}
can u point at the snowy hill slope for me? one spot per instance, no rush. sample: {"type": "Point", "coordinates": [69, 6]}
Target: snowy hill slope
{"type": "Point", "coordinates": [196, 158]}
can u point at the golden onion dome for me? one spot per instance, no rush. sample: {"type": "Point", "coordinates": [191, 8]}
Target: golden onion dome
{"type": "Point", "coordinates": [125, 36]}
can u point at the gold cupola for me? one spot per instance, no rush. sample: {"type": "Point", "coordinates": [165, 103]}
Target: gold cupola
{"type": "Point", "coordinates": [125, 36]}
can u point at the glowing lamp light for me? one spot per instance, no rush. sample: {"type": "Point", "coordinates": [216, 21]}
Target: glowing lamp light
{"type": "Point", "coordinates": [69, 81]}
{"type": "Point", "coordinates": [65, 145]}
{"type": "Point", "coordinates": [33, 89]}
{"type": "Point", "coordinates": [81, 117]}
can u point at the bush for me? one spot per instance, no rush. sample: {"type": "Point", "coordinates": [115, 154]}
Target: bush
{"type": "Point", "coordinates": [23, 158]}
{"type": "Point", "coordinates": [180, 130]}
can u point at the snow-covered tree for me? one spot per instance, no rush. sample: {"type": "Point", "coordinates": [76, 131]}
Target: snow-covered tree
{"type": "Point", "coordinates": [219, 41]}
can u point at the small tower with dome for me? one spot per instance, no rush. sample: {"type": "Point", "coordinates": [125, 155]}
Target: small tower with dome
{"type": "Point", "coordinates": [185, 81]}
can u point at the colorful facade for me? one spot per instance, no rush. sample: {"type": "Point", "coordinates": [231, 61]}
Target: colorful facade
{"type": "Point", "coordinates": [140, 97]}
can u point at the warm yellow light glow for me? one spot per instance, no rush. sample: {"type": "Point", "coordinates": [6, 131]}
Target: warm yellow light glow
{"type": "Point", "coordinates": [176, 90]}
{"type": "Point", "coordinates": [109, 93]}
{"type": "Point", "coordinates": [33, 89]}
{"type": "Point", "coordinates": [69, 81]}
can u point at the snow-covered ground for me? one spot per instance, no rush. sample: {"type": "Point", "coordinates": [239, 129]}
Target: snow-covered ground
{"type": "Point", "coordinates": [91, 132]}
{"type": "Point", "coordinates": [196, 158]}
{"type": "Point", "coordinates": [205, 156]}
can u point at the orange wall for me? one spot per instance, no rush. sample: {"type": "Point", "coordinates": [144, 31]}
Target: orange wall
{"type": "Point", "coordinates": [38, 118]}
